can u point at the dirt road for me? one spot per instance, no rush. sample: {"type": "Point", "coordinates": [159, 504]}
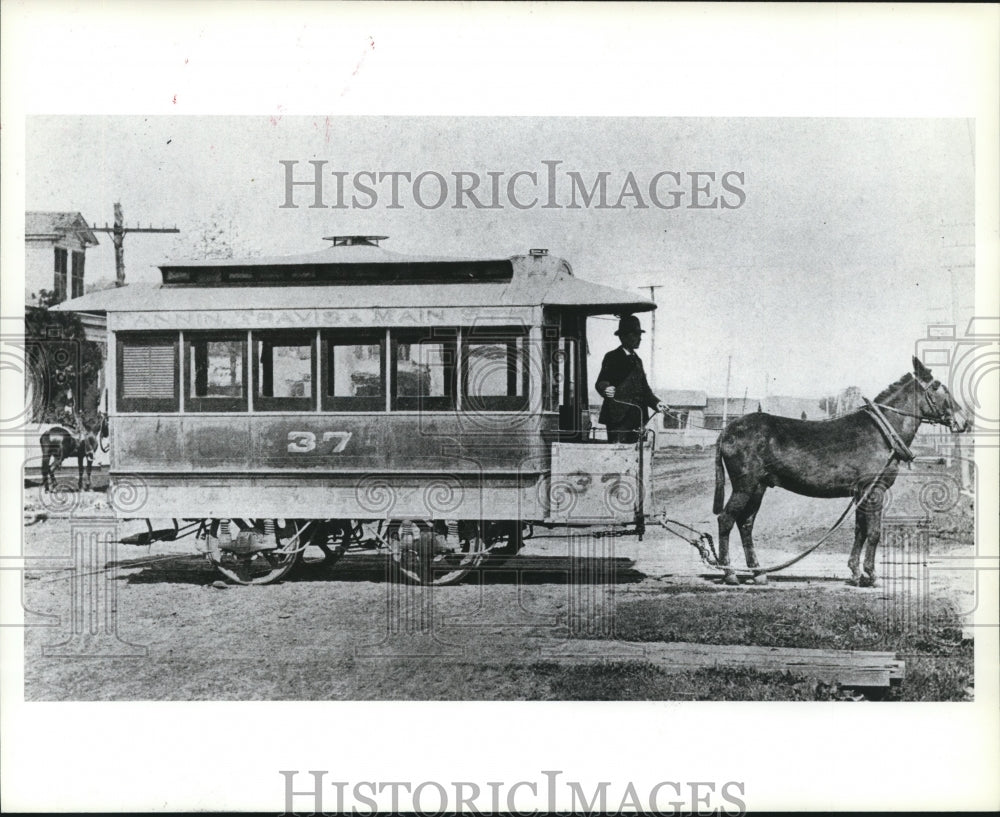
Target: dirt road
{"type": "Point", "coordinates": [154, 624]}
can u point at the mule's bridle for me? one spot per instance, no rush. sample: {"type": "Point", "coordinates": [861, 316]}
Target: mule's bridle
{"type": "Point", "coordinates": [938, 416]}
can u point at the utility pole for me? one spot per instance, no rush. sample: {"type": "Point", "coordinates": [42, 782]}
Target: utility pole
{"type": "Point", "coordinates": [652, 339]}
{"type": "Point", "coordinates": [725, 397]}
{"type": "Point", "coordinates": [118, 232]}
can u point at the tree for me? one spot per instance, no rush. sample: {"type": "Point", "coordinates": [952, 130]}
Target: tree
{"type": "Point", "coordinates": [846, 401]}
{"type": "Point", "coordinates": [63, 368]}
{"type": "Point", "coordinates": [829, 404]}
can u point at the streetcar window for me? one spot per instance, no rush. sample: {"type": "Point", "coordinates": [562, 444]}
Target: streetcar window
{"type": "Point", "coordinates": [569, 355]}
{"type": "Point", "coordinates": [552, 366]}
{"type": "Point", "coordinates": [495, 370]}
{"type": "Point", "coordinates": [354, 371]}
{"type": "Point", "coordinates": [423, 370]}
{"type": "Point", "coordinates": [285, 366]}
{"type": "Point", "coordinates": [216, 372]}
{"type": "Point", "coordinates": [147, 373]}
{"type": "Point", "coordinates": [560, 372]}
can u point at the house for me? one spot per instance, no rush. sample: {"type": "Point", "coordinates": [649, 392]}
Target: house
{"type": "Point", "coordinates": [684, 424]}
{"type": "Point", "coordinates": [798, 408]}
{"type": "Point", "coordinates": [681, 426]}
{"type": "Point", "coordinates": [696, 419]}
{"type": "Point", "coordinates": [801, 408]}
{"type": "Point", "coordinates": [687, 409]}
{"type": "Point", "coordinates": [721, 410]}
{"type": "Point", "coordinates": [55, 252]}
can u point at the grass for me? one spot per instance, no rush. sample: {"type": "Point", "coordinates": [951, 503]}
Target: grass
{"type": "Point", "coordinates": [928, 678]}
{"type": "Point", "coordinates": [639, 681]}
{"type": "Point", "coordinates": [789, 617]}
{"type": "Point", "coordinates": [939, 663]}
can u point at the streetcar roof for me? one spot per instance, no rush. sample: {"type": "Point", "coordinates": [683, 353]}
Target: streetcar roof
{"type": "Point", "coordinates": [362, 276]}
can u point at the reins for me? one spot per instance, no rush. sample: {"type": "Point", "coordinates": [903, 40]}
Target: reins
{"type": "Point", "coordinates": [705, 546]}
{"type": "Point", "coordinates": [899, 450]}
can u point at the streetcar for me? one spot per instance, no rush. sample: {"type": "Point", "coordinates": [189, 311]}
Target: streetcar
{"type": "Point", "coordinates": [435, 409]}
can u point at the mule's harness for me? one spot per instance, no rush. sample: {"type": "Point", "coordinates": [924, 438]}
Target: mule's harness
{"type": "Point", "coordinates": [896, 444]}
{"type": "Point", "coordinates": [899, 450]}
{"type": "Point", "coordinates": [705, 546]}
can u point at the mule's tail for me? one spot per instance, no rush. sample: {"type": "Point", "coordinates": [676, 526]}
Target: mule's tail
{"type": "Point", "coordinates": [43, 443]}
{"type": "Point", "coordinates": [720, 480]}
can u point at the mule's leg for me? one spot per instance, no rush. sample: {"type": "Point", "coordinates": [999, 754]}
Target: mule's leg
{"type": "Point", "coordinates": [746, 534]}
{"type": "Point", "coordinates": [873, 508]}
{"type": "Point", "coordinates": [79, 471]}
{"type": "Point", "coordinates": [733, 511]}
{"type": "Point", "coordinates": [860, 534]}
{"type": "Point", "coordinates": [90, 465]}
{"type": "Point", "coordinates": [54, 467]}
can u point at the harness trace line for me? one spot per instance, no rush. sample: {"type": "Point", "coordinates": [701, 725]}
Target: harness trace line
{"type": "Point", "coordinates": [899, 450]}
{"type": "Point", "coordinates": [705, 545]}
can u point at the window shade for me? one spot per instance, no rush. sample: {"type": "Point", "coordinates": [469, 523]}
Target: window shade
{"type": "Point", "coordinates": [148, 372]}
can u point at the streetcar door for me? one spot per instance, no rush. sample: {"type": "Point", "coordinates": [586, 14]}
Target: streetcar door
{"type": "Point", "coordinates": [567, 375]}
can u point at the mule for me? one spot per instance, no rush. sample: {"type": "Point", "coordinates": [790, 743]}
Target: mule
{"type": "Point", "coordinates": [850, 456]}
{"type": "Point", "coordinates": [58, 443]}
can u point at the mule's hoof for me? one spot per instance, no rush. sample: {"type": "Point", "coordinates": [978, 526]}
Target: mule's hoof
{"type": "Point", "coordinates": [867, 580]}
{"type": "Point", "coordinates": [730, 578]}
{"type": "Point", "coordinates": [759, 578]}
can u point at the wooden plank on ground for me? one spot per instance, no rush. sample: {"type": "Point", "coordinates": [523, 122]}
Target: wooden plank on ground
{"type": "Point", "coordinates": [846, 667]}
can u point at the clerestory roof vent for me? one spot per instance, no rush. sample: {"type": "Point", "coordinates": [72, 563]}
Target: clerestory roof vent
{"type": "Point", "coordinates": [355, 240]}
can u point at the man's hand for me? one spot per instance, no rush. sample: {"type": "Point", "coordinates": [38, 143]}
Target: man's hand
{"type": "Point", "coordinates": [609, 392]}
{"type": "Point", "coordinates": [662, 407]}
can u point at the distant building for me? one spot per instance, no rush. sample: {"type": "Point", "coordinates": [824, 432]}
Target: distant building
{"type": "Point", "coordinates": [687, 409]}
{"type": "Point", "coordinates": [684, 424]}
{"type": "Point", "coordinates": [55, 253]}
{"type": "Point", "coordinates": [56, 244]}
{"type": "Point", "coordinates": [801, 408]}
{"type": "Point", "coordinates": [696, 419]}
{"type": "Point", "coordinates": [719, 410]}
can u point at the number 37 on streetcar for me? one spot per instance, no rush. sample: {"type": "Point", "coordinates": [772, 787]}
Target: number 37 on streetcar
{"type": "Point", "coordinates": [433, 408]}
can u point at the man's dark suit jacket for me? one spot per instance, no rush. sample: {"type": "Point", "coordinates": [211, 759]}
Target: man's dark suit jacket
{"type": "Point", "coordinates": [626, 374]}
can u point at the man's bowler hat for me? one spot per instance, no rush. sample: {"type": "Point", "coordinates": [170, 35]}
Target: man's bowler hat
{"type": "Point", "coordinates": [629, 323]}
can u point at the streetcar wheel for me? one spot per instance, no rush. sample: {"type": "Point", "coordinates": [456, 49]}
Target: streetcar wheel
{"type": "Point", "coordinates": [429, 555]}
{"type": "Point", "coordinates": [332, 537]}
{"type": "Point", "coordinates": [504, 540]}
{"type": "Point", "coordinates": [258, 551]}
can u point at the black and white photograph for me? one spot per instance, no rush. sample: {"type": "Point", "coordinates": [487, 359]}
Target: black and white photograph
{"type": "Point", "coordinates": [609, 449]}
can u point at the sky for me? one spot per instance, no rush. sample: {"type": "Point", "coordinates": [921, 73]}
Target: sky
{"type": "Point", "coordinates": [821, 275]}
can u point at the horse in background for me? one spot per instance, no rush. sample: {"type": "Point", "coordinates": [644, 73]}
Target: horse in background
{"type": "Point", "coordinates": [58, 443]}
{"type": "Point", "coordinates": [856, 455]}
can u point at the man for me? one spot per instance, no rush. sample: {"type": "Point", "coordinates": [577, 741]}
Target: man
{"type": "Point", "coordinates": [74, 422]}
{"type": "Point", "coordinates": [623, 380]}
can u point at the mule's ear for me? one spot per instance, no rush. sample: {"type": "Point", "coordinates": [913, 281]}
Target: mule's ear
{"type": "Point", "coordinates": [921, 371]}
